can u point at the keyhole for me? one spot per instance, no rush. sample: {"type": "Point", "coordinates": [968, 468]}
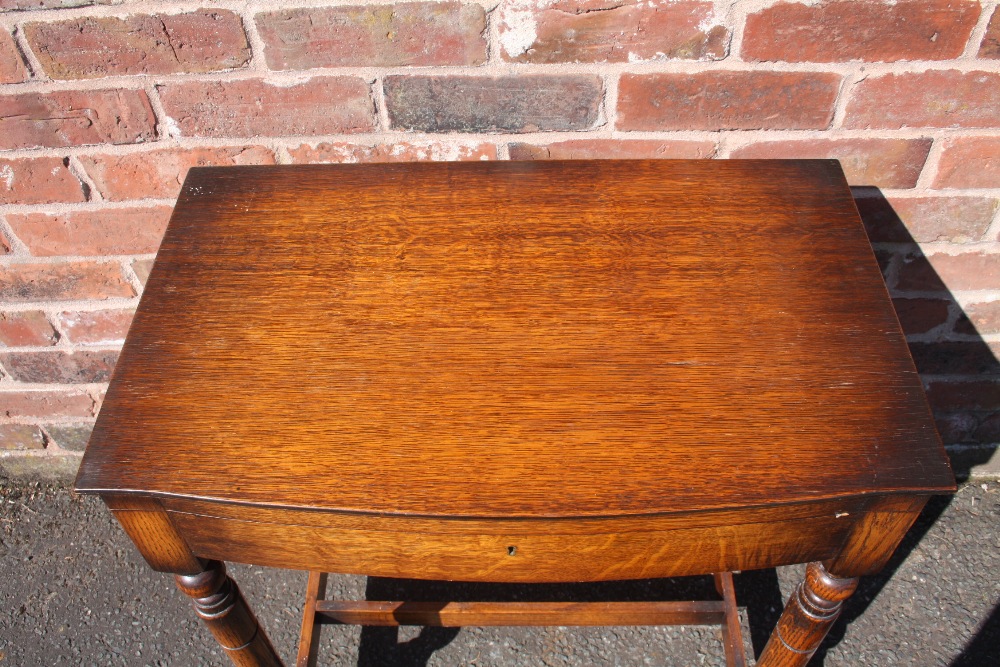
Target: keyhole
{"type": "Point", "coordinates": [511, 551]}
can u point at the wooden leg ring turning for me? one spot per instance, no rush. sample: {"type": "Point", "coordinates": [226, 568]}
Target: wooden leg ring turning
{"type": "Point", "coordinates": [811, 610]}
{"type": "Point", "coordinates": [218, 601]}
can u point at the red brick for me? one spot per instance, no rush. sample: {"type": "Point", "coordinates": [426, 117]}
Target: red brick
{"type": "Point", "coordinates": [921, 315]}
{"type": "Point", "coordinates": [526, 103]}
{"type": "Point", "coordinates": [966, 271]}
{"type": "Point", "coordinates": [71, 437]}
{"type": "Point", "coordinates": [42, 404]}
{"type": "Point", "coordinates": [927, 219]}
{"type": "Point", "coordinates": [142, 267]}
{"type": "Point", "coordinates": [955, 396]}
{"type": "Point", "coordinates": [96, 327]}
{"type": "Point", "coordinates": [20, 436]}
{"type": "Point", "coordinates": [727, 101]}
{"type": "Point", "coordinates": [91, 47]}
{"type": "Point", "coordinates": [865, 30]}
{"type": "Point", "coordinates": [955, 358]}
{"type": "Point", "coordinates": [248, 108]}
{"type": "Point", "coordinates": [7, 5]}
{"type": "Point", "coordinates": [586, 149]}
{"type": "Point", "coordinates": [980, 318]}
{"type": "Point", "coordinates": [990, 46]}
{"type": "Point", "coordinates": [120, 231]}
{"type": "Point", "coordinates": [75, 118]}
{"type": "Point", "coordinates": [40, 180]}
{"type": "Point", "coordinates": [29, 327]}
{"type": "Point", "coordinates": [412, 33]}
{"type": "Point", "coordinates": [81, 366]}
{"type": "Point", "coordinates": [5, 244]}
{"type": "Point", "coordinates": [969, 162]}
{"type": "Point", "coordinates": [12, 69]}
{"type": "Point", "coordinates": [935, 98]}
{"type": "Point", "coordinates": [404, 152]}
{"type": "Point", "coordinates": [24, 283]}
{"type": "Point", "coordinates": [884, 163]}
{"type": "Point", "coordinates": [160, 173]}
{"type": "Point", "coordinates": [602, 31]}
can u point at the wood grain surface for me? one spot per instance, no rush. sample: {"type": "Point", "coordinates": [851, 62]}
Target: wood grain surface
{"type": "Point", "coordinates": [520, 339]}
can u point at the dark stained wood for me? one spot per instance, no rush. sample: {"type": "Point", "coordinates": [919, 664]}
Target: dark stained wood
{"type": "Point", "coordinates": [218, 602]}
{"type": "Point", "coordinates": [807, 617]}
{"type": "Point", "coordinates": [458, 614]}
{"type": "Point", "coordinates": [621, 369]}
{"type": "Point", "coordinates": [553, 339]}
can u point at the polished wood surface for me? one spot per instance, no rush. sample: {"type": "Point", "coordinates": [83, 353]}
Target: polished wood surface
{"type": "Point", "coordinates": [557, 339]}
{"type": "Point", "coordinates": [516, 372]}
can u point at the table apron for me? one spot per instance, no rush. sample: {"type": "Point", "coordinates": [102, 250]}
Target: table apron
{"type": "Point", "coordinates": [515, 557]}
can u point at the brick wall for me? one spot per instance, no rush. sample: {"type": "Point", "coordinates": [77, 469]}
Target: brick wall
{"type": "Point", "coordinates": [103, 106]}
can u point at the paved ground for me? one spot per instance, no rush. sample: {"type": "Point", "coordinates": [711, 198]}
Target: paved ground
{"type": "Point", "coordinates": [74, 592]}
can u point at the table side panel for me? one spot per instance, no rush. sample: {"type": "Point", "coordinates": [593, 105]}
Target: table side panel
{"type": "Point", "coordinates": [523, 551]}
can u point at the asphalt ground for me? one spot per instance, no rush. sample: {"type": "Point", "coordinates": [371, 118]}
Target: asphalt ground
{"type": "Point", "coordinates": [73, 591]}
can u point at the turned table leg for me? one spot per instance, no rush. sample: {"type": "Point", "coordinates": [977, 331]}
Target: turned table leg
{"type": "Point", "coordinates": [218, 601]}
{"type": "Point", "coordinates": [810, 612]}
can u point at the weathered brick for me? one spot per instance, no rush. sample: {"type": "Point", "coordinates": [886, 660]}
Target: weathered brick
{"type": "Point", "coordinates": [727, 101]}
{"type": "Point", "coordinates": [91, 47]}
{"type": "Point", "coordinates": [980, 318]}
{"type": "Point", "coordinates": [585, 149]}
{"type": "Point", "coordinates": [927, 219]}
{"type": "Point", "coordinates": [29, 327]}
{"type": "Point", "coordinates": [48, 404]}
{"type": "Point", "coordinates": [142, 267]}
{"type": "Point", "coordinates": [969, 162]}
{"type": "Point", "coordinates": [435, 151]}
{"type": "Point", "coordinates": [80, 366]}
{"type": "Point", "coordinates": [990, 46]}
{"type": "Point", "coordinates": [92, 327]}
{"type": "Point", "coordinates": [921, 315]}
{"type": "Point", "coordinates": [12, 69]}
{"type": "Point", "coordinates": [20, 436]}
{"type": "Point", "coordinates": [5, 244]}
{"type": "Point", "coordinates": [41, 180]}
{"type": "Point", "coordinates": [24, 283]}
{"type": "Point", "coordinates": [410, 33]}
{"type": "Point", "coordinates": [120, 231]}
{"type": "Point", "coordinates": [603, 31]}
{"type": "Point", "coordinates": [252, 107]}
{"type": "Point", "coordinates": [884, 163]}
{"type": "Point", "coordinates": [935, 98]}
{"type": "Point", "coordinates": [966, 271]}
{"type": "Point", "coordinates": [75, 118]}
{"type": "Point", "coordinates": [71, 437]}
{"type": "Point", "coordinates": [527, 103]}
{"type": "Point", "coordinates": [160, 173]}
{"type": "Point", "coordinates": [956, 396]}
{"type": "Point", "coordinates": [9, 5]}
{"type": "Point", "coordinates": [915, 274]}
{"type": "Point", "coordinates": [956, 428]}
{"type": "Point", "coordinates": [955, 358]}
{"type": "Point", "coordinates": [872, 30]}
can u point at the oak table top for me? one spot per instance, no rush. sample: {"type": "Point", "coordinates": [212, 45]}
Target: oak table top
{"type": "Point", "coordinates": [519, 339]}
{"type": "Point", "coordinates": [412, 365]}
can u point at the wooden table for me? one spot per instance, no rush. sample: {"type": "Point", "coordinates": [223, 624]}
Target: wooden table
{"type": "Point", "coordinates": [517, 372]}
